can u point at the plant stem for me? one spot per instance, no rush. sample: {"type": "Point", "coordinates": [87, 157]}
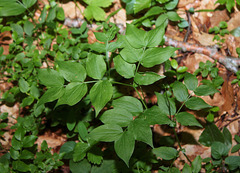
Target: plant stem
{"type": "Point", "coordinates": [114, 82]}
{"type": "Point", "coordinates": [141, 98]}
{"type": "Point", "coordinates": [108, 61]}
{"type": "Point", "coordinates": [183, 103]}
{"type": "Point", "coordinates": [179, 144]}
{"type": "Point", "coordinates": [143, 102]}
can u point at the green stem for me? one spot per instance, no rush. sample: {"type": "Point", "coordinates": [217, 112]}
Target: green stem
{"type": "Point", "coordinates": [31, 14]}
{"type": "Point", "coordinates": [90, 81]}
{"type": "Point", "coordinates": [142, 93]}
{"type": "Point", "coordinates": [114, 82]}
{"type": "Point", "coordinates": [179, 144]}
{"type": "Point", "coordinates": [184, 103]}
{"type": "Point", "coordinates": [141, 98]}
{"type": "Point", "coordinates": [138, 65]}
{"type": "Point", "coordinates": [108, 61]}
{"type": "Point", "coordinates": [143, 102]}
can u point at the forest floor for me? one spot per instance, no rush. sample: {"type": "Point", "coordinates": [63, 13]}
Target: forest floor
{"type": "Point", "coordinates": [228, 99]}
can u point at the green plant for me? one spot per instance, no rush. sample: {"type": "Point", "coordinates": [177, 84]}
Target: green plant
{"type": "Point", "coordinates": [219, 31]}
{"type": "Point", "coordinates": [86, 89]}
{"type": "Point", "coordinates": [94, 10]}
{"type": "Point", "coordinates": [237, 146]}
{"type": "Point", "coordinates": [229, 4]}
{"type": "Point", "coordinates": [237, 80]}
{"type": "Point", "coordinates": [166, 11]}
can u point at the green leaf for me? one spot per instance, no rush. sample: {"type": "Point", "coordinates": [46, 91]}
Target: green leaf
{"type": "Point", "coordinates": [236, 32]}
{"type": "Point", "coordinates": [182, 69]}
{"type": "Point", "coordinates": [100, 94]}
{"type": "Point", "coordinates": [28, 28]}
{"type": "Point", "coordinates": [18, 29]}
{"type": "Point", "coordinates": [197, 164]}
{"type": "Point", "coordinates": [20, 166]}
{"type": "Point", "coordinates": [99, 3]}
{"type": "Point", "coordinates": [180, 91]}
{"type": "Point", "coordinates": [60, 14]}
{"type": "Point", "coordinates": [96, 66]}
{"type": "Point", "coordinates": [43, 16]}
{"type": "Point", "coordinates": [50, 77]}
{"type": "Point", "coordinates": [117, 116]}
{"type": "Point", "coordinates": [227, 139]}
{"type": "Point", "coordinates": [211, 134]}
{"type": "Point", "coordinates": [80, 150]}
{"type": "Point", "coordinates": [190, 81]}
{"type": "Point", "coordinates": [16, 144]}
{"type": "Point", "coordinates": [233, 162]}
{"type": "Point", "coordinates": [29, 3]}
{"type": "Point", "coordinates": [68, 148]}
{"type": "Point", "coordinates": [123, 68]}
{"type": "Point", "coordinates": [141, 131]}
{"type": "Point", "coordinates": [95, 155]}
{"type": "Point", "coordinates": [1, 50]}
{"type": "Point", "coordinates": [94, 12]}
{"type": "Point", "coordinates": [147, 78]}
{"type": "Point", "coordinates": [196, 103]}
{"type": "Point", "coordinates": [162, 20]}
{"type": "Point", "coordinates": [106, 133]}
{"type": "Point", "coordinates": [72, 71]}
{"type": "Point", "coordinates": [14, 154]}
{"type": "Point", "coordinates": [162, 1]}
{"type": "Point", "coordinates": [11, 8]}
{"type": "Point", "coordinates": [131, 104]}
{"type": "Point", "coordinates": [154, 115]}
{"type": "Point", "coordinates": [174, 64]}
{"type": "Point", "coordinates": [183, 23]}
{"type": "Point", "coordinates": [28, 141]}
{"type": "Point", "coordinates": [218, 150]}
{"type": "Point", "coordinates": [82, 130]}
{"type": "Point", "coordinates": [187, 119]}
{"type": "Point", "coordinates": [23, 85]}
{"type": "Point", "coordinates": [80, 167]}
{"type": "Point", "coordinates": [51, 14]}
{"type": "Point", "coordinates": [26, 155]}
{"type": "Point", "coordinates": [205, 90]}
{"type": "Point", "coordinates": [230, 4]}
{"type": "Point", "coordinates": [71, 122]}
{"type": "Point", "coordinates": [166, 153]}
{"type": "Point", "coordinates": [101, 36]}
{"type": "Point", "coordinates": [235, 148]}
{"type": "Point", "coordinates": [20, 132]}
{"type": "Point", "coordinates": [173, 16]}
{"type": "Point", "coordinates": [237, 138]}
{"type": "Point", "coordinates": [171, 5]}
{"type": "Point", "coordinates": [131, 55]}
{"type": "Point", "coordinates": [155, 10]}
{"type": "Point", "coordinates": [210, 117]}
{"type": "Point", "coordinates": [124, 146]}
{"type": "Point", "coordinates": [166, 104]}
{"type": "Point", "coordinates": [51, 94]}
{"type": "Point", "coordinates": [108, 166]}
{"type": "Point", "coordinates": [135, 36]}
{"type": "Point", "coordinates": [155, 56]}
{"type": "Point", "coordinates": [186, 168]}
{"type": "Point", "coordinates": [140, 5]}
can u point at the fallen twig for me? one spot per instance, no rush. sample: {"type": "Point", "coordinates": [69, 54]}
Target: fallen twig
{"type": "Point", "coordinates": [231, 63]}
